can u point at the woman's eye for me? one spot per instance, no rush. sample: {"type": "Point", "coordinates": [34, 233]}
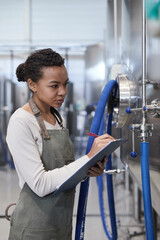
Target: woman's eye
{"type": "Point", "coordinates": [54, 86]}
{"type": "Point", "coordinates": [66, 84]}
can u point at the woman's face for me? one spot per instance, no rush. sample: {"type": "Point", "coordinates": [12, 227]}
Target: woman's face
{"type": "Point", "coordinates": [51, 88]}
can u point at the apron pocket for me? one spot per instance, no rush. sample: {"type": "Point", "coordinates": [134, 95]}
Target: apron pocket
{"type": "Point", "coordinates": [32, 234]}
{"type": "Point", "coordinates": [39, 234]}
{"type": "Point", "coordinates": [15, 233]}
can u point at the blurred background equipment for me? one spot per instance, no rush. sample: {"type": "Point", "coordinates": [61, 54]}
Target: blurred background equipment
{"type": "Point", "coordinates": [101, 41]}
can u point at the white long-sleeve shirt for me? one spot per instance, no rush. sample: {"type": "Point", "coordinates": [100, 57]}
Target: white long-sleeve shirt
{"type": "Point", "coordinates": [25, 144]}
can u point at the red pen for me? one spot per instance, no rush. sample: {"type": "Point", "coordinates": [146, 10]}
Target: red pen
{"type": "Point", "coordinates": [93, 134]}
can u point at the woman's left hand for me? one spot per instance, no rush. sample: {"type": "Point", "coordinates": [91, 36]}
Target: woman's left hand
{"type": "Point", "coordinates": [97, 170]}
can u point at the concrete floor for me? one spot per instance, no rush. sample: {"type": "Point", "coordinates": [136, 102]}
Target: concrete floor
{"type": "Point", "coordinates": [9, 191]}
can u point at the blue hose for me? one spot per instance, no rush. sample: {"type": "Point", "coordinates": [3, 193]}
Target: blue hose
{"type": "Point", "coordinates": [110, 192]}
{"type": "Point", "coordinates": [146, 190]}
{"type": "Point", "coordinates": [85, 185]}
{"type": "Point", "coordinates": [110, 187]}
{"type": "Point", "coordinates": [100, 193]}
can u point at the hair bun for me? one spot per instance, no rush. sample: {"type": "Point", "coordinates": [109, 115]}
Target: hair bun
{"type": "Point", "coordinates": [20, 73]}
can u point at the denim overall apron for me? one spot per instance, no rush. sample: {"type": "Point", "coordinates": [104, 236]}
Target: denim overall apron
{"type": "Point", "coordinates": [48, 217]}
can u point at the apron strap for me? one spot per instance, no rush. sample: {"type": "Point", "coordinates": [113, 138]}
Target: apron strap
{"type": "Point", "coordinates": [57, 116]}
{"type": "Point", "coordinates": [38, 116]}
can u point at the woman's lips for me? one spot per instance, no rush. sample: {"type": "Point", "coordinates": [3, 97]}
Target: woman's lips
{"type": "Point", "coordinates": [59, 101]}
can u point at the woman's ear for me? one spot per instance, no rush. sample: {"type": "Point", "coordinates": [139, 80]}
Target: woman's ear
{"type": "Point", "coordinates": [31, 85]}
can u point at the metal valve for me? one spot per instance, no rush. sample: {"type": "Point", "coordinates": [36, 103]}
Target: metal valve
{"type": "Point", "coordinates": [153, 108]}
{"type": "Point", "coordinates": [116, 171]}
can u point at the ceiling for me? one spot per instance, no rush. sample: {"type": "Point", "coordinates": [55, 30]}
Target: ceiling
{"type": "Point", "coordinates": [60, 23]}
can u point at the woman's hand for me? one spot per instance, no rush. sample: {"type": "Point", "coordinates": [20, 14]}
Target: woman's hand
{"type": "Point", "coordinates": [99, 143]}
{"type": "Point", "coordinates": [97, 170]}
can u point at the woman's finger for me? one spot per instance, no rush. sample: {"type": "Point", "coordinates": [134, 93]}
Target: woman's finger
{"type": "Point", "coordinates": [105, 136]}
{"type": "Point", "coordinates": [93, 173]}
{"type": "Point", "coordinates": [105, 159]}
{"type": "Point", "coordinates": [101, 165]}
{"type": "Point", "coordinates": [97, 170]}
{"type": "Point", "coordinates": [99, 143]}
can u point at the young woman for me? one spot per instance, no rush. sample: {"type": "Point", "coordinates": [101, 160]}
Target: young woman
{"type": "Point", "coordinates": [43, 153]}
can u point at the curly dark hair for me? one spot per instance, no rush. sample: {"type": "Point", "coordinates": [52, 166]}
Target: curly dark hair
{"type": "Point", "coordinates": [34, 64]}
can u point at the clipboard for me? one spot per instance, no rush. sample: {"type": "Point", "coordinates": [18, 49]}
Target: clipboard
{"type": "Point", "coordinates": [81, 173]}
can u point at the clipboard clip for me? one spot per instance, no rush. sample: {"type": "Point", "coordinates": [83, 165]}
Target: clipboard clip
{"type": "Point", "coordinates": [116, 171]}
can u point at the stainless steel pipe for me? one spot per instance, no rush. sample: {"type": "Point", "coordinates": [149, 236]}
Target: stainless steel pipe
{"type": "Point", "coordinates": [144, 118]}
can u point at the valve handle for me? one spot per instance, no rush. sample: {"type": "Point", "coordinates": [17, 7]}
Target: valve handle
{"type": "Point", "coordinates": [133, 154]}
{"type": "Point", "coordinates": [128, 110]}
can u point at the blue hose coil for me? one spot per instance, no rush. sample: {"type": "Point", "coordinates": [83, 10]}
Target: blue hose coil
{"type": "Point", "coordinates": [100, 193]}
{"type": "Point", "coordinates": [146, 190]}
{"type": "Point", "coordinates": [110, 236]}
{"type": "Point", "coordinates": [110, 187]}
{"type": "Point", "coordinates": [80, 225]}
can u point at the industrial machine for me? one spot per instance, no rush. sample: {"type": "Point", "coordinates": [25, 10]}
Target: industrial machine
{"type": "Point", "coordinates": [133, 63]}
{"type": "Point", "coordinates": [125, 69]}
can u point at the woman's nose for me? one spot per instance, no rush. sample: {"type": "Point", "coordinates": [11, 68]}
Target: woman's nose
{"type": "Point", "coordinates": [62, 91]}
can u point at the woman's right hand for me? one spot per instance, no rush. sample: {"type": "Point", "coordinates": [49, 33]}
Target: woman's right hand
{"type": "Point", "coordinates": [99, 143]}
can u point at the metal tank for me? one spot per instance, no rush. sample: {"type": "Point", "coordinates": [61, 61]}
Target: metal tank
{"type": "Point", "coordinates": [125, 60]}
{"type": "Point", "coordinates": [131, 59]}
{"type": "Point", "coordinates": [125, 64]}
